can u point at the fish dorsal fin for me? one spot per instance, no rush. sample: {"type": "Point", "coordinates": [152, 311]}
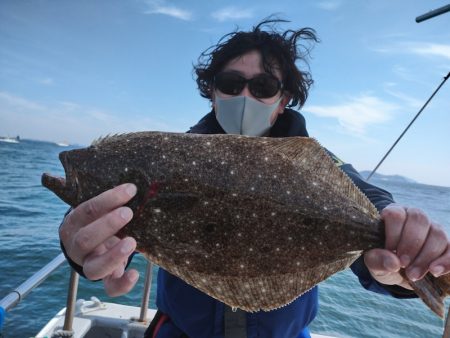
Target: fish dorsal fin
{"type": "Point", "coordinates": [311, 157]}
{"type": "Point", "coordinates": [125, 137]}
{"type": "Point", "coordinates": [107, 139]}
{"type": "Point", "coordinates": [111, 138]}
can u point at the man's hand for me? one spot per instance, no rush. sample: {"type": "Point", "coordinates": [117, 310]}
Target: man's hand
{"type": "Point", "coordinates": [413, 242]}
{"type": "Point", "coordinates": [88, 235]}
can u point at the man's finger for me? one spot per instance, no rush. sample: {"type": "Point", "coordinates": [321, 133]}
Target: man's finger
{"type": "Point", "coordinates": [413, 237]}
{"type": "Point", "coordinates": [394, 217]}
{"type": "Point", "coordinates": [434, 247]}
{"type": "Point", "coordinates": [441, 266]}
{"type": "Point", "coordinates": [105, 246]}
{"type": "Point", "coordinates": [88, 239]}
{"type": "Point", "coordinates": [94, 208]}
{"type": "Point", "coordinates": [98, 267]}
{"type": "Point", "coordinates": [118, 286]}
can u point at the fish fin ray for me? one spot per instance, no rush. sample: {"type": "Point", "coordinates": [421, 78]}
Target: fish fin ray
{"type": "Point", "coordinates": [268, 292]}
{"type": "Point", "coordinates": [433, 291]}
{"type": "Point", "coordinates": [110, 138]}
{"type": "Point", "coordinates": [308, 154]}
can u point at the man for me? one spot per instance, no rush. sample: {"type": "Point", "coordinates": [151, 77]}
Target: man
{"type": "Point", "coordinates": [250, 78]}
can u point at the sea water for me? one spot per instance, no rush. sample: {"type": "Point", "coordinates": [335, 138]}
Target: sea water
{"type": "Point", "coordinates": [29, 220]}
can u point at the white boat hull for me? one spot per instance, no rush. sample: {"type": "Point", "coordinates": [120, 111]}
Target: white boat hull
{"type": "Point", "coordinates": [94, 319]}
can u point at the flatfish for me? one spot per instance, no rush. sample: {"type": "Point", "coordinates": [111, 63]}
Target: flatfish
{"type": "Point", "coordinates": [254, 222]}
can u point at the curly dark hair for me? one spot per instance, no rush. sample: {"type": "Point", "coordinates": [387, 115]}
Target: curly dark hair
{"type": "Point", "coordinates": [281, 49]}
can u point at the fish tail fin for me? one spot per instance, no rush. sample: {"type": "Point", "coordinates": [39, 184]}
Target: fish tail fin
{"type": "Point", "coordinates": [444, 282]}
{"type": "Point", "coordinates": [433, 291]}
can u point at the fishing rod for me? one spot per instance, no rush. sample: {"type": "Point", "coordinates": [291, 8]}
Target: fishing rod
{"type": "Point", "coordinates": [433, 13]}
{"type": "Point", "coordinates": [420, 18]}
{"type": "Point", "coordinates": [409, 125]}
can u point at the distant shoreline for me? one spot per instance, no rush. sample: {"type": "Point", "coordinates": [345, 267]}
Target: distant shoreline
{"type": "Point", "coordinates": [383, 177]}
{"type": "Point", "coordinates": [395, 179]}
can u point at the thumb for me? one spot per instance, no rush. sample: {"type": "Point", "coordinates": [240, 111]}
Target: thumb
{"type": "Point", "coordinates": [384, 266]}
{"type": "Point", "coordinates": [381, 261]}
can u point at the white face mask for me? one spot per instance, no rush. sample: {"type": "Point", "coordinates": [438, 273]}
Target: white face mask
{"type": "Point", "coordinates": [244, 116]}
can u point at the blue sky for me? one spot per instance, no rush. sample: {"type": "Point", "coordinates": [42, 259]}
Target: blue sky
{"type": "Point", "coordinates": [75, 70]}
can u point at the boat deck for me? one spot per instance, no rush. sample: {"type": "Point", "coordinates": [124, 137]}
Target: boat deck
{"type": "Point", "coordinates": [94, 319]}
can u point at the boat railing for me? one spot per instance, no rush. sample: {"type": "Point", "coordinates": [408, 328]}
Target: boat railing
{"type": "Point", "coordinates": [18, 294]}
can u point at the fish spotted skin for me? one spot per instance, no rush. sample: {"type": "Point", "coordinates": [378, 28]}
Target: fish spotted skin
{"type": "Point", "coordinates": [254, 222]}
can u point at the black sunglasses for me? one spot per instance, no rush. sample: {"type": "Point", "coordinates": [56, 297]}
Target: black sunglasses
{"type": "Point", "coordinates": [262, 86]}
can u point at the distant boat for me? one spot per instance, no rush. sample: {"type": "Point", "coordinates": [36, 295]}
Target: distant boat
{"type": "Point", "coordinates": [8, 139]}
{"type": "Point", "coordinates": [62, 144]}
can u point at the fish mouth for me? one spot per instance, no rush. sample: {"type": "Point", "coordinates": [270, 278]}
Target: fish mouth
{"type": "Point", "coordinates": [56, 184]}
{"type": "Point", "coordinates": [50, 181]}
{"type": "Point", "coordinates": [64, 188]}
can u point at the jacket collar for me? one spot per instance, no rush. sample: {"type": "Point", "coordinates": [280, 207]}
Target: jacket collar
{"type": "Point", "coordinates": [290, 123]}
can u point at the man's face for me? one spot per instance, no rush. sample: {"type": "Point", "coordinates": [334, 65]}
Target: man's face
{"type": "Point", "coordinates": [249, 65]}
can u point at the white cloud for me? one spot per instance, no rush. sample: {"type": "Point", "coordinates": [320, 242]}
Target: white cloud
{"type": "Point", "coordinates": [48, 81]}
{"type": "Point", "coordinates": [232, 13]}
{"type": "Point", "coordinates": [357, 114]}
{"type": "Point", "coordinates": [431, 49]}
{"type": "Point", "coordinates": [407, 99]}
{"type": "Point", "coordinates": [329, 5]}
{"type": "Point", "coordinates": [417, 48]}
{"type": "Point", "coordinates": [162, 7]}
{"type": "Point", "coordinates": [67, 121]}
